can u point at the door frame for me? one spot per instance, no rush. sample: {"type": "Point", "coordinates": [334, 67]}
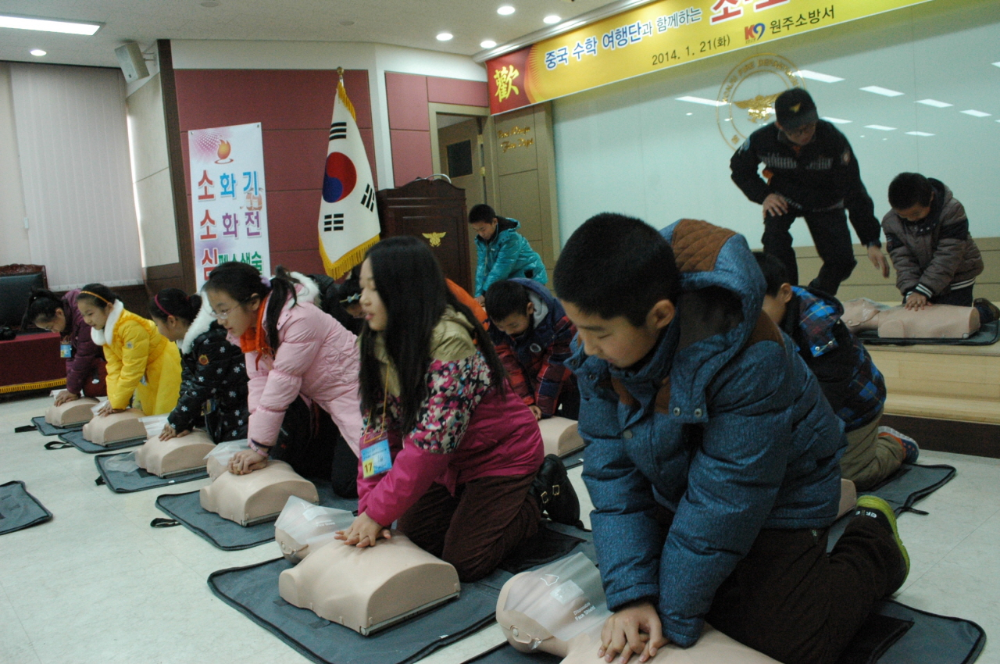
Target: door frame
{"type": "Point", "coordinates": [456, 109]}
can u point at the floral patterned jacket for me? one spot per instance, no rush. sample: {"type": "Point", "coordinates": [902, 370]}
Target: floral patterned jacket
{"type": "Point", "coordinates": [465, 430]}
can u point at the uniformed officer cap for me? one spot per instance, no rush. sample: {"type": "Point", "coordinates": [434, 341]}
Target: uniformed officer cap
{"type": "Point", "coordinates": [794, 108]}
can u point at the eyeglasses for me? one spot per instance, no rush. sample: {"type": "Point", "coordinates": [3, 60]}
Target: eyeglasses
{"type": "Point", "coordinates": [221, 315]}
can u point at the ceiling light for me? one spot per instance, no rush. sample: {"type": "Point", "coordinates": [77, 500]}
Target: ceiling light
{"type": "Point", "coordinates": [551, 19]}
{"type": "Point", "coordinates": [934, 102]}
{"type": "Point", "coordinates": [702, 100]}
{"type": "Point", "coordinates": [838, 120]}
{"type": "Point", "coordinates": [505, 10]}
{"type": "Point", "coordinates": [445, 36]}
{"type": "Point", "coordinates": [885, 92]}
{"type": "Point", "coordinates": [918, 133]}
{"type": "Point", "coordinates": [47, 25]}
{"type": "Point", "coordinates": [487, 43]}
{"type": "Point", "coordinates": [880, 127]}
{"type": "Point", "coordinates": [976, 114]}
{"type": "Point", "coordinates": [996, 64]}
{"type": "Point", "coordinates": [347, 24]}
{"type": "Point", "coordinates": [816, 76]}
{"type": "Point", "coordinates": [37, 52]}
{"type": "Point", "coordinates": [693, 114]}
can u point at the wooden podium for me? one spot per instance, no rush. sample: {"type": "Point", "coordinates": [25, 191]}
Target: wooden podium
{"type": "Point", "coordinates": [434, 211]}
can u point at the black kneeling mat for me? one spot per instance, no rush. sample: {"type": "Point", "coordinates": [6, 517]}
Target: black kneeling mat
{"type": "Point", "coordinates": [574, 459]}
{"type": "Point", "coordinates": [893, 634]}
{"type": "Point", "coordinates": [904, 488]}
{"type": "Point", "coordinates": [19, 509]}
{"type": "Point", "coordinates": [185, 510]}
{"type": "Point", "coordinates": [987, 335]}
{"type": "Point", "coordinates": [253, 591]}
{"type": "Point", "coordinates": [41, 426]}
{"type": "Point", "coordinates": [76, 439]}
{"type": "Point", "coordinates": [137, 479]}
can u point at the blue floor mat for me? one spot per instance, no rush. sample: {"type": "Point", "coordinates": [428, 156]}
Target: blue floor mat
{"type": "Point", "coordinates": [76, 439]}
{"type": "Point", "coordinates": [19, 509]}
{"type": "Point", "coordinates": [138, 479]}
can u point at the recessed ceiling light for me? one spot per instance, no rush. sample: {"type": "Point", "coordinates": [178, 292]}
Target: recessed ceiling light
{"type": "Point", "coordinates": [934, 102]}
{"type": "Point", "coordinates": [885, 92]}
{"type": "Point", "coordinates": [976, 114]}
{"type": "Point", "coordinates": [996, 64]}
{"type": "Point", "coordinates": [551, 19]}
{"type": "Point", "coordinates": [918, 133]}
{"type": "Point", "coordinates": [37, 52]}
{"type": "Point", "coordinates": [837, 120]}
{"type": "Point", "coordinates": [487, 43]}
{"type": "Point", "coordinates": [880, 127]}
{"type": "Point", "coordinates": [444, 36]}
{"type": "Point", "coordinates": [702, 100]}
{"type": "Point", "coordinates": [347, 24]}
{"type": "Point", "coordinates": [816, 76]}
{"type": "Point", "coordinates": [690, 113]}
{"type": "Point", "coordinates": [505, 10]}
{"type": "Point", "coordinates": [47, 25]}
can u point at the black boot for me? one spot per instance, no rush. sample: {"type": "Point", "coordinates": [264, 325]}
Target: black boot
{"type": "Point", "coordinates": [555, 493]}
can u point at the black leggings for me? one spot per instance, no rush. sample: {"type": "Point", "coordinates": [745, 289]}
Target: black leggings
{"type": "Point", "coordinates": [312, 445]}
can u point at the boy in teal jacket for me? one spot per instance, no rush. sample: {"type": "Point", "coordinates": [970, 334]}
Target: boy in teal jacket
{"type": "Point", "coordinates": [503, 252]}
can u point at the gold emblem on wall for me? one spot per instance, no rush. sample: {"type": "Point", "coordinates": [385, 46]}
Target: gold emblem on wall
{"type": "Point", "coordinates": [748, 94]}
{"type": "Point", "coordinates": [520, 142]}
{"type": "Point", "coordinates": [434, 238]}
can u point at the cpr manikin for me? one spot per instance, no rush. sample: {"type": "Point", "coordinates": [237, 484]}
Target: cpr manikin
{"type": "Point", "coordinates": [372, 588]}
{"type": "Point", "coordinates": [114, 428]}
{"type": "Point", "coordinates": [166, 458]}
{"type": "Point", "coordinates": [256, 497]}
{"type": "Point", "coordinates": [303, 527]}
{"type": "Point", "coordinates": [71, 413]}
{"type": "Point", "coordinates": [937, 321]}
{"type": "Point", "coordinates": [560, 609]}
{"type": "Point", "coordinates": [560, 436]}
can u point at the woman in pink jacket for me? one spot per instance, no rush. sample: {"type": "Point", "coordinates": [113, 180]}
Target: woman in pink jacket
{"type": "Point", "coordinates": [292, 350]}
{"type": "Point", "coordinates": [448, 451]}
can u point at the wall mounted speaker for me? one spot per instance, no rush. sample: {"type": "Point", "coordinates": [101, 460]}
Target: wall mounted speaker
{"type": "Point", "coordinates": [131, 61]}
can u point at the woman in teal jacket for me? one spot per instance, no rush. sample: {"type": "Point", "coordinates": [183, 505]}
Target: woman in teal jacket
{"type": "Point", "coordinates": [503, 252]}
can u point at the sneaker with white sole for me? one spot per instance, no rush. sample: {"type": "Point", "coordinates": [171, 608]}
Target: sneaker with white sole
{"type": "Point", "coordinates": [873, 507]}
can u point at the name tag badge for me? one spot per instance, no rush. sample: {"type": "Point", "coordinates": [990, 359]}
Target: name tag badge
{"type": "Point", "coordinates": [65, 351]}
{"type": "Point", "coordinates": [375, 459]}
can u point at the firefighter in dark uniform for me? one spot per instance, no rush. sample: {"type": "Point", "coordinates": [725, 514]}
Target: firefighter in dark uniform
{"type": "Point", "coordinates": [811, 172]}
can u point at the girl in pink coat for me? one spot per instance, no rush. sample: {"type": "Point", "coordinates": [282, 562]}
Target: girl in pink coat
{"type": "Point", "coordinates": [293, 350]}
{"type": "Point", "coordinates": [448, 451]}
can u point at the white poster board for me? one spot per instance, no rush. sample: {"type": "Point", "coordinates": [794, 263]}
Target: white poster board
{"type": "Point", "coordinates": [228, 201]}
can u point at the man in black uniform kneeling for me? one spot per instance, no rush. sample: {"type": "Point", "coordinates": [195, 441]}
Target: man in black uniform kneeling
{"type": "Point", "coordinates": [812, 172]}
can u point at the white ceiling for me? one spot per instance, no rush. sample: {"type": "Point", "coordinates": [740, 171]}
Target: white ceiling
{"type": "Point", "coordinates": [413, 23]}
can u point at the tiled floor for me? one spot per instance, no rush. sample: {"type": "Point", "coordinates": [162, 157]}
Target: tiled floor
{"type": "Point", "coordinates": [97, 584]}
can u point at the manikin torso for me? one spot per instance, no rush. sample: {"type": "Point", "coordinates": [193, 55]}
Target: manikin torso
{"type": "Point", "coordinates": [177, 455]}
{"type": "Point", "coordinates": [560, 436]}
{"type": "Point", "coordinates": [938, 321]}
{"type": "Point", "coordinates": [258, 496]}
{"type": "Point", "coordinates": [372, 588]}
{"type": "Point", "coordinates": [115, 427]}
{"type": "Point", "coordinates": [560, 609]}
{"type": "Point", "coordinates": [78, 411]}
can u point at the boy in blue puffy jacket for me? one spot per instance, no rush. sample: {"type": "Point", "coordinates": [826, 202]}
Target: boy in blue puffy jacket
{"type": "Point", "coordinates": [712, 458]}
{"type": "Point", "coordinates": [502, 252]}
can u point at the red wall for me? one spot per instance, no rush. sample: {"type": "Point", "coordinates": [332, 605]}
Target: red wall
{"type": "Point", "coordinates": [409, 119]}
{"type": "Point", "coordinates": [294, 108]}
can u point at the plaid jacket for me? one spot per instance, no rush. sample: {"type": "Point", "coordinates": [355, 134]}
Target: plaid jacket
{"type": "Point", "coordinates": [850, 380]}
{"type": "Point", "coordinates": [534, 360]}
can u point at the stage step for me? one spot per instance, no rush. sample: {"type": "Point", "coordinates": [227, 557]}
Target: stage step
{"type": "Point", "coordinates": [941, 382]}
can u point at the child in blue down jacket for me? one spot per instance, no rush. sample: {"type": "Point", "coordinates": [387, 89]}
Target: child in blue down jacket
{"type": "Point", "coordinates": [712, 457]}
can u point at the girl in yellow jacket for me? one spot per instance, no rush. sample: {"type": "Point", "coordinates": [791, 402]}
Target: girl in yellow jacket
{"type": "Point", "coordinates": [140, 360]}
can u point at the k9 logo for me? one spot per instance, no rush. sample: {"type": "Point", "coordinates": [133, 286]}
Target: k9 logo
{"type": "Point", "coordinates": [754, 32]}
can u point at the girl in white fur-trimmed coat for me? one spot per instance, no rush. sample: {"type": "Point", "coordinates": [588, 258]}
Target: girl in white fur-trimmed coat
{"type": "Point", "coordinates": [213, 368]}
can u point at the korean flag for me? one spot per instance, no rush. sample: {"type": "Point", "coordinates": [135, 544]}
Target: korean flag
{"type": "Point", "coordinates": [348, 223]}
